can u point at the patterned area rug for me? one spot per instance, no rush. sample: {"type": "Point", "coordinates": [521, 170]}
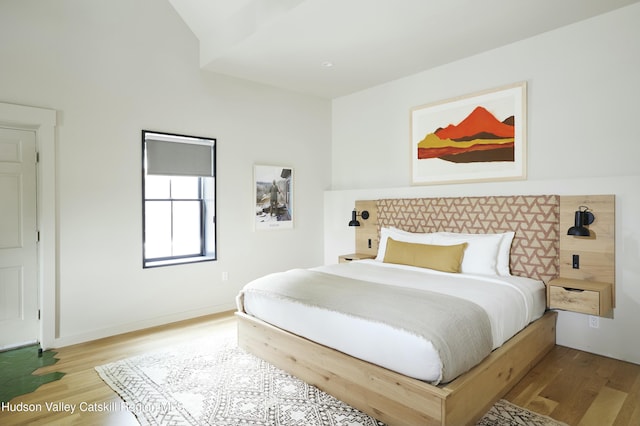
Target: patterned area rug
{"type": "Point", "coordinates": [212, 383]}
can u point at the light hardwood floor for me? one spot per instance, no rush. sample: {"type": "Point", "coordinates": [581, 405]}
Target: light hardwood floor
{"type": "Point", "coordinates": [581, 389]}
{"type": "Point", "coordinates": [575, 387]}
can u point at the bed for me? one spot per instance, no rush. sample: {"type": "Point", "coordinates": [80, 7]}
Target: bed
{"type": "Point", "coordinates": [379, 356]}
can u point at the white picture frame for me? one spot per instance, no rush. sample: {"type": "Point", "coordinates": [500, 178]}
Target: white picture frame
{"type": "Point", "coordinates": [273, 196]}
{"type": "Point", "coordinates": [444, 150]}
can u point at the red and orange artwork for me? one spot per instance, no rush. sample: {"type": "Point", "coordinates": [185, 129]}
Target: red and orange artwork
{"type": "Point", "coordinates": [480, 137]}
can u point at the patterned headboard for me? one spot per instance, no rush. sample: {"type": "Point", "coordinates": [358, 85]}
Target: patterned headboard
{"type": "Point", "coordinates": [535, 220]}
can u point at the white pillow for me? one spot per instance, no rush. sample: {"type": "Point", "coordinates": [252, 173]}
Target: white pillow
{"type": "Point", "coordinates": [400, 235]}
{"type": "Point", "coordinates": [482, 253]}
{"type": "Point", "coordinates": [504, 254]}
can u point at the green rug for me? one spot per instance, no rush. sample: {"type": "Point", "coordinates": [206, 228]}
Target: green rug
{"type": "Point", "coordinates": [16, 368]}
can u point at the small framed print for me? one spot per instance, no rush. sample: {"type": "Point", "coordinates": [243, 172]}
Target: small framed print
{"type": "Point", "coordinates": [273, 194]}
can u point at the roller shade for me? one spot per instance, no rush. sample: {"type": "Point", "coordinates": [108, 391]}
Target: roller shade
{"type": "Point", "coordinates": [180, 158]}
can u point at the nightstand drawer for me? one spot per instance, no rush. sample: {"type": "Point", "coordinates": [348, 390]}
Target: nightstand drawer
{"type": "Point", "coordinates": [584, 301]}
{"type": "Point", "coordinates": [586, 297]}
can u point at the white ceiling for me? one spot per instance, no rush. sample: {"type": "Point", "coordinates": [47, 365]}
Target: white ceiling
{"type": "Point", "coordinates": [289, 43]}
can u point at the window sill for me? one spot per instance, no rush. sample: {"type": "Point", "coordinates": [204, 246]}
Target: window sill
{"type": "Point", "coordinates": [180, 261]}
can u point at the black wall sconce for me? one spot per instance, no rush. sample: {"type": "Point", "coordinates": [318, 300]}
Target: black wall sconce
{"type": "Point", "coordinates": [583, 218]}
{"type": "Point", "coordinates": [354, 214]}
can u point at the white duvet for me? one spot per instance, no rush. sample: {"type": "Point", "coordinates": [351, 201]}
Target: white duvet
{"type": "Point", "coordinates": [510, 302]}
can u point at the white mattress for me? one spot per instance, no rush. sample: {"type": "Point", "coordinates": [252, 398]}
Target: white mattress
{"type": "Point", "coordinates": [510, 302]}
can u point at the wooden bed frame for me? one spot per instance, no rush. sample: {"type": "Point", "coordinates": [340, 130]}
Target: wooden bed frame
{"type": "Point", "coordinates": [400, 400]}
{"type": "Point", "coordinates": [392, 397]}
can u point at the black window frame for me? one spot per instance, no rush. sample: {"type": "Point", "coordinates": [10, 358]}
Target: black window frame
{"type": "Point", "coordinates": [203, 255]}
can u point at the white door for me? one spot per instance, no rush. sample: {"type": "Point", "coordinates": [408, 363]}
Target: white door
{"type": "Point", "coordinates": [18, 239]}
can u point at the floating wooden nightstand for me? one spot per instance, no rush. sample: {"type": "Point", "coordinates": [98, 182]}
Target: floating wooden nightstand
{"type": "Point", "coordinates": [586, 297]}
{"type": "Point", "coordinates": [587, 282]}
{"type": "Point", "coordinates": [346, 258]}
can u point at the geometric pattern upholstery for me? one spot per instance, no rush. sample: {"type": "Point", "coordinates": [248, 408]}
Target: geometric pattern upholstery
{"type": "Point", "coordinates": [535, 219]}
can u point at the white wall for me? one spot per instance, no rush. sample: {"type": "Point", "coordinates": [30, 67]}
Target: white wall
{"type": "Point", "coordinates": [583, 92]}
{"type": "Point", "coordinates": [111, 69]}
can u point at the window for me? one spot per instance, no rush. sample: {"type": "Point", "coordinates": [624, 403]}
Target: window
{"type": "Point", "coordinates": [178, 191]}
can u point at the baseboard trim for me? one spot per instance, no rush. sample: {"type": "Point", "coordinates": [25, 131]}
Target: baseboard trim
{"type": "Point", "coordinates": [139, 325]}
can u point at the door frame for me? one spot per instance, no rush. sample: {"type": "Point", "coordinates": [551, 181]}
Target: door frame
{"type": "Point", "coordinates": [43, 122]}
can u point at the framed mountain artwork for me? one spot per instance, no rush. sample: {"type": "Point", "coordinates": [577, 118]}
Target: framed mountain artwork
{"type": "Point", "coordinates": [474, 138]}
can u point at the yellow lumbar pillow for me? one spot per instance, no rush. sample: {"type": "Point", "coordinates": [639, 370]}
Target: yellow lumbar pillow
{"type": "Point", "coordinates": [441, 258]}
